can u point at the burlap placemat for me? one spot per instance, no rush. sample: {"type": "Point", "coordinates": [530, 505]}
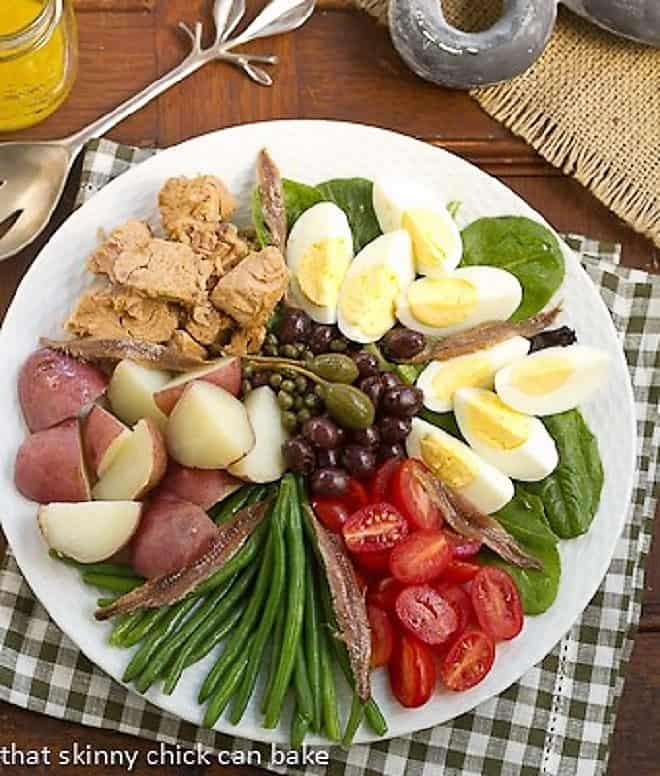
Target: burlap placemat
{"type": "Point", "coordinates": [590, 106]}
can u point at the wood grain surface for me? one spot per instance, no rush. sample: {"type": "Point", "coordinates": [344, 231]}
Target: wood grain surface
{"type": "Point", "coordinates": [340, 66]}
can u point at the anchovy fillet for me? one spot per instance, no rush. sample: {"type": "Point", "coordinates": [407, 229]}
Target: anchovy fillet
{"type": "Point", "coordinates": [170, 588]}
{"type": "Point", "coordinates": [272, 198]}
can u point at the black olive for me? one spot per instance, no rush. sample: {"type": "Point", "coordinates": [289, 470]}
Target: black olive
{"type": "Point", "coordinates": [404, 401]}
{"type": "Point", "coordinates": [360, 461]}
{"type": "Point", "coordinates": [322, 432]}
{"type": "Point", "coordinates": [328, 458]}
{"type": "Point", "coordinates": [390, 380]}
{"type": "Point", "coordinates": [391, 451]}
{"type": "Point", "coordinates": [320, 338]}
{"type": "Point", "coordinates": [330, 482]}
{"type": "Point", "coordinates": [295, 326]}
{"type": "Point", "coordinates": [367, 437]}
{"type": "Point", "coordinates": [373, 388]}
{"type": "Point", "coordinates": [393, 429]}
{"type": "Point", "coordinates": [299, 455]}
{"type": "Point", "coordinates": [402, 344]}
{"type": "Point", "coordinates": [367, 363]}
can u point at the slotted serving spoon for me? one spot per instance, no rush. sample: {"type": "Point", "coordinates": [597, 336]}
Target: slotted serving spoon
{"type": "Point", "coordinates": [33, 174]}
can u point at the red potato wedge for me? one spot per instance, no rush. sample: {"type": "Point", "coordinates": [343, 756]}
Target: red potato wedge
{"type": "Point", "coordinates": [204, 487]}
{"type": "Point", "coordinates": [53, 387]}
{"type": "Point", "coordinates": [89, 532]}
{"type": "Point", "coordinates": [131, 392]}
{"type": "Point", "coordinates": [50, 465]}
{"type": "Point", "coordinates": [208, 428]}
{"type": "Point", "coordinates": [138, 467]}
{"type": "Point", "coordinates": [225, 373]}
{"type": "Point", "coordinates": [103, 436]}
{"type": "Point", "coordinates": [172, 534]}
{"type": "Point", "coordinates": [265, 462]}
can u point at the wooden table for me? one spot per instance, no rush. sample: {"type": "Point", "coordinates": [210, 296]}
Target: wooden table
{"type": "Point", "coordinates": [340, 66]}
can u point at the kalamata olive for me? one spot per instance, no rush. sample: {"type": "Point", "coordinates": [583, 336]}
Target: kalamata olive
{"type": "Point", "coordinates": [367, 437]}
{"type": "Point", "coordinates": [404, 401]}
{"type": "Point", "coordinates": [328, 458]}
{"type": "Point", "coordinates": [295, 326]}
{"type": "Point", "coordinates": [260, 377]}
{"type": "Point", "coordinates": [299, 455]}
{"type": "Point", "coordinates": [401, 344]}
{"type": "Point", "coordinates": [393, 429]}
{"type": "Point", "coordinates": [330, 482]}
{"type": "Point", "coordinates": [366, 362]}
{"type": "Point", "coordinates": [359, 461]}
{"type": "Point", "coordinates": [373, 388]}
{"type": "Point", "coordinates": [320, 338]}
{"type": "Point", "coordinates": [336, 367]}
{"type": "Point", "coordinates": [391, 451]}
{"type": "Point", "coordinates": [321, 432]}
{"type": "Point", "coordinates": [390, 380]}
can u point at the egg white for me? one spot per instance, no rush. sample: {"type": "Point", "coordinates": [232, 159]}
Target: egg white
{"type": "Point", "coordinates": [530, 461]}
{"type": "Point", "coordinates": [553, 380]}
{"type": "Point", "coordinates": [324, 221]}
{"type": "Point", "coordinates": [499, 294]}
{"type": "Point", "coordinates": [488, 490]}
{"type": "Point", "coordinates": [390, 252]}
{"type": "Point", "coordinates": [476, 369]}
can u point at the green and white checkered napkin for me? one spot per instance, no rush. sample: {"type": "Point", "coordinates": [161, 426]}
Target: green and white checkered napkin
{"type": "Point", "coordinates": [558, 719]}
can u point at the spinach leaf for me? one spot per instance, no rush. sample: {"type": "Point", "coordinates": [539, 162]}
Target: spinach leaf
{"type": "Point", "coordinates": [523, 247]}
{"type": "Point", "coordinates": [524, 518]}
{"type": "Point", "coordinates": [571, 494]}
{"type": "Point", "coordinates": [354, 197]}
{"type": "Point", "coordinates": [261, 230]}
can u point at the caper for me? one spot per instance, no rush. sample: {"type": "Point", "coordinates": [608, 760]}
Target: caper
{"type": "Point", "coordinates": [318, 391]}
{"type": "Point", "coordinates": [303, 415]}
{"type": "Point", "coordinates": [335, 367]}
{"type": "Point", "coordinates": [290, 374]}
{"type": "Point", "coordinates": [348, 405]}
{"type": "Point", "coordinates": [285, 400]}
{"type": "Point", "coordinates": [338, 345]}
{"type": "Point", "coordinates": [301, 384]}
{"type": "Point", "coordinates": [307, 355]}
{"type": "Point", "coordinates": [276, 380]}
{"type": "Point", "coordinates": [288, 385]}
{"type": "Point", "coordinates": [312, 401]}
{"type": "Point", "coordinates": [298, 402]}
{"type": "Point", "coordinates": [270, 349]}
{"type": "Point", "coordinates": [290, 421]}
{"type": "Point", "coordinates": [271, 339]}
{"type": "Point", "coordinates": [289, 351]}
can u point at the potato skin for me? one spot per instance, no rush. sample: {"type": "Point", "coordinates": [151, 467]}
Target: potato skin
{"type": "Point", "coordinates": [53, 387]}
{"type": "Point", "coordinates": [100, 430]}
{"type": "Point", "coordinates": [204, 487]}
{"type": "Point", "coordinates": [50, 465]}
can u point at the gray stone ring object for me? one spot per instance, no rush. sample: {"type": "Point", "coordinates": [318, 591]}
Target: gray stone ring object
{"type": "Point", "coordinates": [442, 54]}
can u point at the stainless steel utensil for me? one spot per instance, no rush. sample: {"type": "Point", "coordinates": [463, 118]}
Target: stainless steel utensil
{"type": "Point", "coordinates": [33, 174]}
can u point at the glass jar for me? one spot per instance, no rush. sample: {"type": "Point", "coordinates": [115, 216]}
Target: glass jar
{"type": "Point", "coordinates": [38, 59]}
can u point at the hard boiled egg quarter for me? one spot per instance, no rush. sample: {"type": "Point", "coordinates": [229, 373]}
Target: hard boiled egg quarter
{"type": "Point", "coordinates": [375, 278]}
{"type": "Point", "coordinates": [552, 380]}
{"type": "Point", "coordinates": [441, 379]}
{"type": "Point", "coordinates": [469, 296]}
{"type": "Point", "coordinates": [436, 240]}
{"type": "Point", "coordinates": [318, 253]}
{"type": "Point", "coordinates": [460, 468]}
{"type": "Point", "coordinates": [517, 444]}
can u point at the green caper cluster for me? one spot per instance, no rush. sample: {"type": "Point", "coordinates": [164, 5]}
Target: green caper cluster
{"type": "Point", "coordinates": [296, 395]}
{"type": "Point", "coordinates": [273, 347]}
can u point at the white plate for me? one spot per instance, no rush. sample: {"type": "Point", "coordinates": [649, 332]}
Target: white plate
{"type": "Point", "coordinates": [309, 151]}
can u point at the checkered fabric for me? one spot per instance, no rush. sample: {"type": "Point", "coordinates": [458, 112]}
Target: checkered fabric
{"type": "Point", "coordinates": [558, 719]}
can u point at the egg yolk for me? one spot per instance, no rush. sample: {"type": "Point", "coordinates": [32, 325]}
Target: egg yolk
{"type": "Point", "coordinates": [445, 461]}
{"type": "Point", "coordinates": [429, 235]}
{"type": "Point", "coordinates": [496, 424]}
{"type": "Point", "coordinates": [542, 375]}
{"type": "Point", "coordinates": [442, 302]}
{"type": "Point", "coordinates": [473, 372]}
{"type": "Point", "coordinates": [322, 269]}
{"type": "Point", "coordinates": [368, 300]}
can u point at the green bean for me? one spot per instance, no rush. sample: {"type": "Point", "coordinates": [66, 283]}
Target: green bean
{"type": "Point", "coordinates": [241, 634]}
{"type": "Point", "coordinates": [220, 633]}
{"type": "Point", "coordinates": [331, 725]}
{"type": "Point", "coordinates": [223, 617]}
{"type": "Point", "coordinates": [294, 611]}
{"type": "Point", "coordinates": [144, 627]}
{"type": "Point", "coordinates": [114, 583]}
{"type": "Point", "coordinates": [224, 510]}
{"type": "Point", "coordinates": [271, 606]}
{"type": "Point", "coordinates": [304, 697]}
{"type": "Point", "coordinates": [102, 602]}
{"type": "Point", "coordinates": [114, 569]}
{"type": "Point", "coordinates": [125, 625]}
{"type": "Point", "coordinates": [274, 655]}
{"type": "Point", "coordinates": [354, 721]}
{"type": "Point", "coordinates": [311, 626]}
{"type": "Point", "coordinates": [221, 696]}
{"type": "Point", "coordinates": [177, 638]}
{"type": "Point", "coordinates": [141, 658]}
{"type": "Point", "coordinates": [299, 727]}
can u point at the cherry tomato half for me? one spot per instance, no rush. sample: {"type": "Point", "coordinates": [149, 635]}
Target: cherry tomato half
{"type": "Point", "coordinates": [460, 601]}
{"type": "Point", "coordinates": [374, 528]}
{"type": "Point", "coordinates": [412, 498]}
{"type": "Point", "coordinates": [382, 636]}
{"type": "Point", "coordinates": [356, 496]}
{"type": "Point", "coordinates": [374, 563]}
{"type": "Point", "coordinates": [468, 660]}
{"type": "Point", "coordinates": [382, 479]}
{"type": "Point", "coordinates": [384, 593]}
{"type": "Point", "coordinates": [422, 557]}
{"type": "Point", "coordinates": [463, 548]}
{"type": "Point", "coordinates": [460, 572]}
{"type": "Point", "coordinates": [496, 601]}
{"type": "Point", "coordinates": [412, 671]}
{"type": "Point", "coordinates": [426, 614]}
{"type": "Point", "coordinates": [332, 512]}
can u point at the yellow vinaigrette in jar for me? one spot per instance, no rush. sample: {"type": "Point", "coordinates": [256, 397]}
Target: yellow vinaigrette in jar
{"type": "Point", "coordinates": [38, 58]}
